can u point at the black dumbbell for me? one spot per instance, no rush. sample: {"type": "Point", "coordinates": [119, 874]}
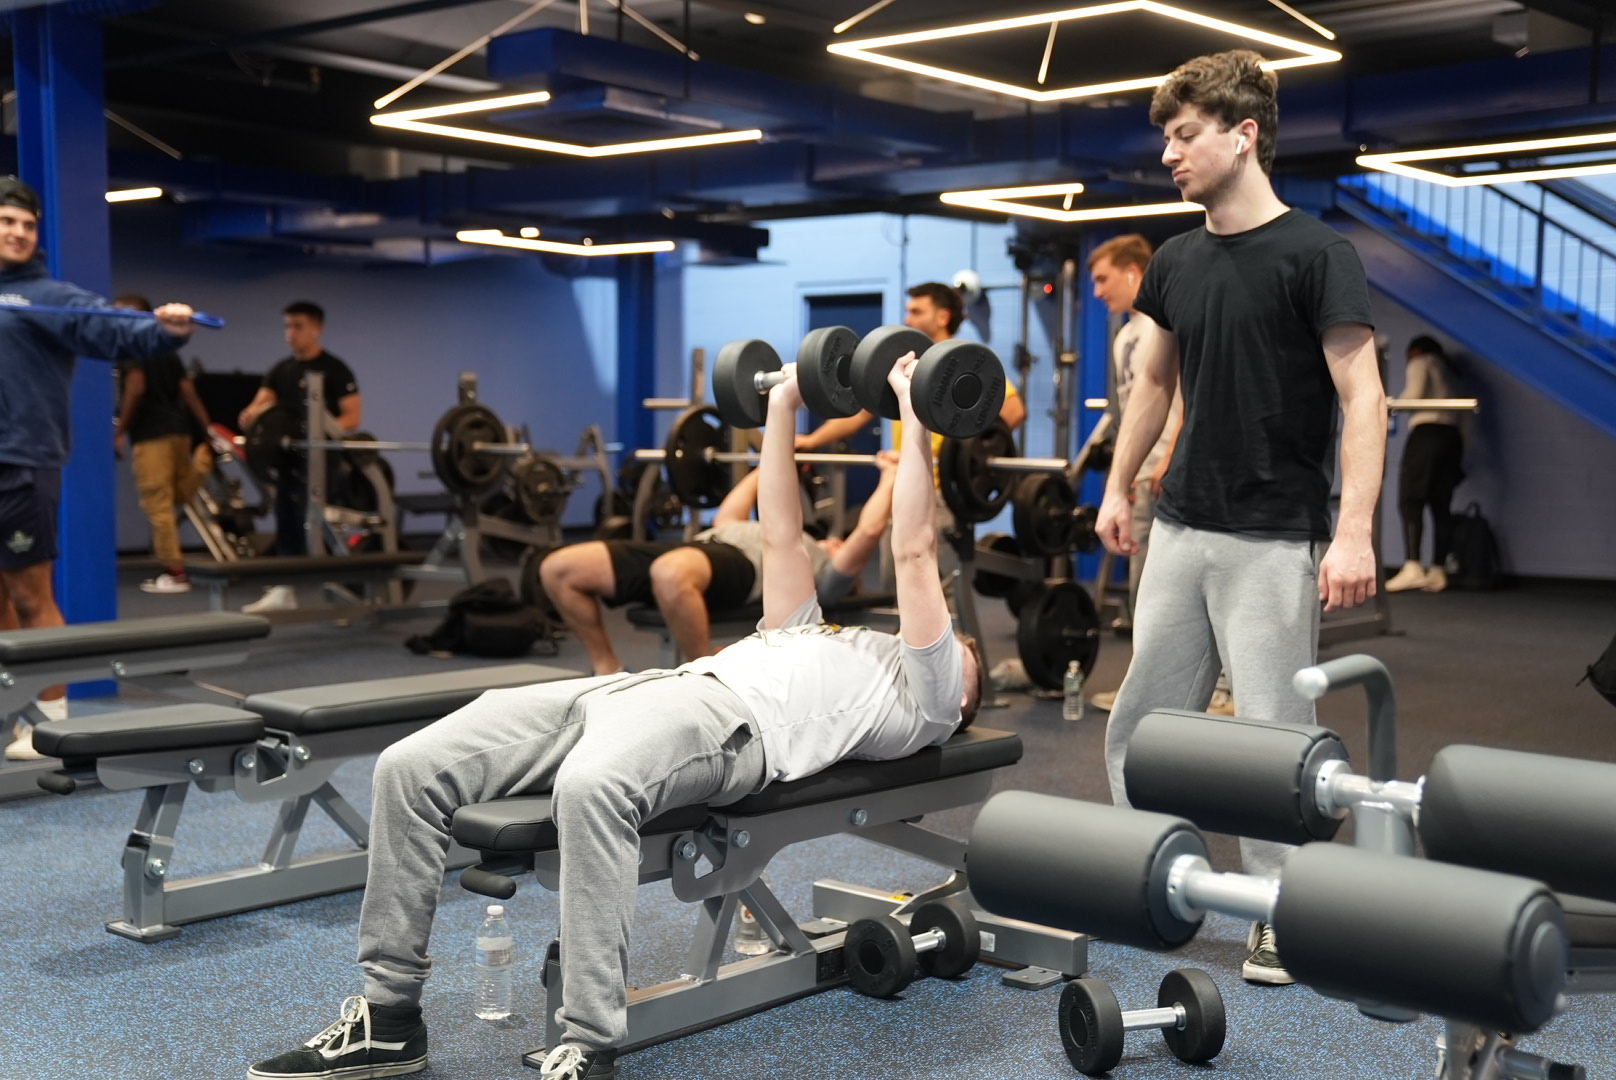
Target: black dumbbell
{"type": "Point", "coordinates": [744, 372]}
{"type": "Point", "coordinates": [883, 956]}
{"type": "Point", "coordinates": [957, 387]}
{"type": "Point", "coordinates": [1189, 1012]}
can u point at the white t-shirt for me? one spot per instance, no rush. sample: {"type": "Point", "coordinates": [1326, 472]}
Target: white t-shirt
{"type": "Point", "coordinates": [821, 693]}
{"type": "Point", "coordinates": [1122, 348]}
{"type": "Point", "coordinates": [747, 538]}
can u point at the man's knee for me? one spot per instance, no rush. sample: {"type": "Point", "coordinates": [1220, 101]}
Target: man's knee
{"type": "Point", "coordinates": [589, 784]}
{"type": "Point", "coordinates": [679, 572]}
{"type": "Point", "coordinates": [30, 592]}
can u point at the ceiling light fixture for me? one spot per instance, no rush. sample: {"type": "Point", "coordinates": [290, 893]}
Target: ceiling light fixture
{"type": "Point", "coordinates": [133, 194]}
{"type": "Point", "coordinates": [1303, 19]}
{"type": "Point", "coordinates": [498, 239]}
{"type": "Point", "coordinates": [754, 18]}
{"type": "Point", "coordinates": [1397, 163]}
{"type": "Point", "coordinates": [416, 120]}
{"type": "Point", "coordinates": [997, 201]}
{"type": "Point", "coordinates": [868, 49]}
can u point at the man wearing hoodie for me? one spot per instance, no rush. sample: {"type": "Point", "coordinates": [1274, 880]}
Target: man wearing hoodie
{"type": "Point", "coordinates": [38, 352]}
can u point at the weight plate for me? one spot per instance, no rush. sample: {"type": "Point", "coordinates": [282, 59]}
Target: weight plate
{"type": "Point", "coordinates": [1042, 513]}
{"type": "Point", "coordinates": [1091, 1026]}
{"type": "Point", "coordinates": [1099, 459]}
{"type": "Point", "coordinates": [879, 956]}
{"type": "Point", "coordinates": [962, 941]}
{"type": "Point", "coordinates": [541, 489]}
{"type": "Point", "coordinates": [958, 388]}
{"type": "Point", "coordinates": [735, 391]}
{"type": "Point", "coordinates": [1020, 593]}
{"type": "Point", "coordinates": [1084, 536]}
{"type": "Point", "coordinates": [873, 360]}
{"type": "Point", "coordinates": [1204, 1022]}
{"type": "Point", "coordinates": [504, 507]}
{"type": "Point", "coordinates": [694, 479]}
{"type": "Point", "coordinates": [1055, 627]}
{"type": "Point", "coordinates": [973, 491]}
{"type": "Point", "coordinates": [351, 487]}
{"type": "Point", "coordinates": [463, 470]}
{"type": "Point", "coordinates": [360, 458]}
{"type": "Point", "coordinates": [988, 583]}
{"type": "Point", "coordinates": [825, 371]}
{"type": "Point", "coordinates": [264, 442]}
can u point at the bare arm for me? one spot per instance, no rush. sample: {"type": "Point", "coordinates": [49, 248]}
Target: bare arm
{"type": "Point", "coordinates": [1347, 573]}
{"type": "Point", "coordinates": [922, 608]}
{"type": "Point", "coordinates": [348, 413]}
{"type": "Point", "coordinates": [1176, 415]}
{"type": "Point", "coordinates": [788, 574]}
{"type": "Point", "coordinates": [862, 542]}
{"type": "Point", "coordinates": [262, 401]}
{"type": "Point", "coordinates": [1149, 401]}
{"type": "Point", "coordinates": [737, 505]}
{"type": "Point", "coordinates": [194, 403]}
{"type": "Point", "coordinates": [841, 427]}
{"type": "Point", "coordinates": [1013, 411]}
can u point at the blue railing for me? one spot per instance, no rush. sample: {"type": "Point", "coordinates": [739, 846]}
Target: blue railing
{"type": "Point", "coordinates": [1529, 249]}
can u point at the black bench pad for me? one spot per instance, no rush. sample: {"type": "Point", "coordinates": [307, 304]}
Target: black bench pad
{"type": "Point", "coordinates": [138, 731]}
{"type": "Point", "coordinates": [522, 822]}
{"type": "Point", "coordinates": [344, 706]}
{"type": "Point", "coordinates": [649, 616]}
{"type": "Point", "coordinates": [120, 637]}
{"type": "Point", "coordinates": [325, 567]}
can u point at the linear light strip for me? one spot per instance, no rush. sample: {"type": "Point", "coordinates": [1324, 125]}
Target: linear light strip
{"type": "Point", "coordinates": [459, 108]}
{"type": "Point", "coordinates": [1397, 163]}
{"type": "Point", "coordinates": [133, 194]}
{"type": "Point", "coordinates": [1323, 32]}
{"type": "Point", "coordinates": [996, 200]}
{"type": "Point", "coordinates": [848, 24]}
{"type": "Point", "coordinates": [450, 61]}
{"type": "Point", "coordinates": [496, 238]}
{"type": "Point", "coordinates": [523, 142]}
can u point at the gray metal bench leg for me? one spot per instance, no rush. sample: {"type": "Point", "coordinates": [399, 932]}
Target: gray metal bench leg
{"type": "Point", "coordinates": [147, 855]}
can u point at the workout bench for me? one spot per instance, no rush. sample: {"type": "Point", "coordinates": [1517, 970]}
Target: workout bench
{"type": "Point", "coordinates": [715, 856]}
{"type": "Point", "coordinates": [649, 617]}
{"type": "Point", "coordinates": [279, 747]}
{"type": "Point", "coordinates": [370, 570]}
{"type": "Point", "coordinates": [154, 653]}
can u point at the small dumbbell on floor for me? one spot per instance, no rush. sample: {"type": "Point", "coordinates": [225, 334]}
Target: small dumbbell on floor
{"type": "Point", "coordinates": [883, 956]}
{"type": "Point", "coordinates": [1189, 1012]}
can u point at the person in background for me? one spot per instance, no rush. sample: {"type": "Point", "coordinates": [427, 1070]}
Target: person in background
{"type": "Point", "coordinates": [303, 322]}
{"type": "Point", "coordinates": [159, 411]}
{"type": "Point", "coordinates": [1430, 471]}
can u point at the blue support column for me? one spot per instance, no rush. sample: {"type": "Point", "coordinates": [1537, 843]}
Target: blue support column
{"type": "Point", "coordinates": [636, 348]}
{"type": "Point", "coordinates": [62, 152]}
{"type": "Point", "coordinates": [1093, 354]}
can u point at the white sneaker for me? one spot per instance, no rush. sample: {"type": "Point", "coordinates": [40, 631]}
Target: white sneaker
{"type": "Point", "coordinates": [54, 709]}
{"type": "Point", "coordinates": [275, 598]}
{"type": "Point", "coordinates": [166, 583]}
{"type": "Point", "coordinates": [1411, 576]}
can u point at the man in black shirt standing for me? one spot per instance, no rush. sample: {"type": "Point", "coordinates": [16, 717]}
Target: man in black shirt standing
{"type": "Point", "coordinates": [159, 410]}
{"type": "Point", "coordinates": [284, 385]}
{"type": "Point", "coordinates": [1263, 315]}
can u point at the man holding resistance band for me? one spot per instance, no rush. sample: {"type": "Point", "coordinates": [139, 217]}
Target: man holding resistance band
{"type": "Point", "coordinates": [795, 697]}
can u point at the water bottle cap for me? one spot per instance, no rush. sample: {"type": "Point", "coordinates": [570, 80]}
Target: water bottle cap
{"type": "Point", "coordinates": [495, 909]}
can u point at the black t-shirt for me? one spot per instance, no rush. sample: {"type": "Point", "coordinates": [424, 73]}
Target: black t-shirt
{"type": "Point", "coordinates": [159, 411]}
{"type": "Point", "coordinates": [286, 380]}
{"type": "Point", "coordinates": [1249, 311]}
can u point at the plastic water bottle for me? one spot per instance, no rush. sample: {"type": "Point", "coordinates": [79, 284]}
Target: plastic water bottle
{"type": "Point", "coordinates": [494, 951]}
{"type": "Point", "coordinates": [750, 938]}
{"type": "Point", "coordinates": [1072, 700]}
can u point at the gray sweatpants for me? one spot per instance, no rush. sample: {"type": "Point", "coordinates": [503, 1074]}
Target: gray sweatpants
{"type": "Point", "coordinates": [1206, 595]}
{"type": "Point", "coordinates": [615, 751]}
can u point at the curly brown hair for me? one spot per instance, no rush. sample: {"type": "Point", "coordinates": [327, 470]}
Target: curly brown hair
{"type": "Point", "coordinates": [1229, 87]}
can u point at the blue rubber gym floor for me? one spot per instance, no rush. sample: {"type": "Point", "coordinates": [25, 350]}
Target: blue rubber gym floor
{"type": "Point", "coordinates": [1496, 669]}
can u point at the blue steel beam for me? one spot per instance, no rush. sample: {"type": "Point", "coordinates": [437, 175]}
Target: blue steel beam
{"type": "Point", "coordinates": [61, 150]}
{"type": "Point", "coordinates": [636, 347]}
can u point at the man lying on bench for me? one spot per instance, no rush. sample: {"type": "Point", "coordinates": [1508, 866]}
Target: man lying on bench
{"type": "Point", "coordinates": [719, 569]}
{"type": "Point", "coordinates": [795, 697]}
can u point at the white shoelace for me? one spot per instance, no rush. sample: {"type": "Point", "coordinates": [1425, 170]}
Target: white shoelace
{"type": "Point", "coordinates": [1265, 940]}
{"type": "Point", "coordinates": [565, 1061]}
{"type": "Point", "coordinates": [355, 1010]}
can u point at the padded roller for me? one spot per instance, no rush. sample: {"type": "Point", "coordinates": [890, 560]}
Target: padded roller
{"type": "Point", "coordinates": [1550, 818]}
{"type": "Point", "coordinates": [1243, 777]}
{"type": "Point", "coordinates": [1081, 866]}
{"type": "Point", "coordinates": [1461, 943]}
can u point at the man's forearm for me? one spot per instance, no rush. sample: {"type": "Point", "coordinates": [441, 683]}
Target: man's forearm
{"type": "Point", "coordinates": [831, 430]}
{"type": "Point", "coordinates": [1148, 406]}
{"type": "Point", "coordinates": [914, 502]}
{"type": "Point", "coordinates": [1363, 456]}
{"type": "Point", "coordinates": [779, 499]}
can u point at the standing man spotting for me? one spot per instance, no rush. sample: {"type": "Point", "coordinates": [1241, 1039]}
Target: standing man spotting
{"type": "Point", "coordinates": [1263, 315]}
{"type": "Point", "coordinates": [38, 354]}
{"type": "Point", "coordinates": [304, 323]}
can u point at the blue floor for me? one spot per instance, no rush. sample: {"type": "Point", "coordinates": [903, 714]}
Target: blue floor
{"type": "Point", "coordinates": [234, 990]}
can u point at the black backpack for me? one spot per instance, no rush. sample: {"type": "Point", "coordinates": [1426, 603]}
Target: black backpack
{"type": "Point", "coordinates": [1602, 673]}
{"type": "Point", "coordinates": [1473, 561]}
{"type": "Point", "coordinates": [489, 620]}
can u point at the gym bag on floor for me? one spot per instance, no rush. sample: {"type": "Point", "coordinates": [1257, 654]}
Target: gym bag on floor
{"type": "Point", "coordinates": [1473, 560]}
{"type": "Point", "coordinates": [489, 620]}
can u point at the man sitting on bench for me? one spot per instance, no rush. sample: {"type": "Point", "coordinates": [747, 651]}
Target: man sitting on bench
{"type": "Point", "coordinates": [688, 581]}
{"type": "Point", "coordinates": [793, 698]}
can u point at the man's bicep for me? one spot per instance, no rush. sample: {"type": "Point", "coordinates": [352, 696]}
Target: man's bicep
{"type": "Point", "coordinates": [1156, 353]}
{"type": "Point", "coordinates": [1349, 350]}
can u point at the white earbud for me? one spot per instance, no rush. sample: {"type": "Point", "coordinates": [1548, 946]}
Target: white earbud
{"type": "Point", "coordinates": [1240, 147]}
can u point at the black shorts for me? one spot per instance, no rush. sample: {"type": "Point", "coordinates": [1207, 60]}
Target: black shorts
{"type": "Point", "coordinates": [733, 573]}
{"type": "Point", "coordinates": [28, 500]}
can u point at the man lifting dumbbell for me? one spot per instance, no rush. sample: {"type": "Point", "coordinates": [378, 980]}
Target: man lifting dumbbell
{"type": "Point", "coordinates": [721, 567]}
{"type": "Point", "coordinates": [616, 751]}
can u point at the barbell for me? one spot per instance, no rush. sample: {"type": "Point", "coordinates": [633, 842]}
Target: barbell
{"type": "Point", "coordinates": [200, 318]}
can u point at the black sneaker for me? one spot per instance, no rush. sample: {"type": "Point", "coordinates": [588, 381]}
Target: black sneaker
{"type": "Point", "coordinates": [366, 1041]}
{"type": "Point", "coordinates": [569, 1062]}
{"type": "Point", "coordinates": [1262, 960]}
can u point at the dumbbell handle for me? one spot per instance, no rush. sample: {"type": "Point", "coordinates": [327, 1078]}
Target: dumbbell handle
{"type": "Point", "coordinates": [1170, 1016]}
{"type": "Point", "coordinates": [1193, 887]}
{"type": "Point", "coordinates": [767, 380]}
{"type": "Point", "coordinates": [929, 940]}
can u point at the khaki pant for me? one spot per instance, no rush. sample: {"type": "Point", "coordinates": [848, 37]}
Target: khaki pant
{"type": "Point", "coordinates": [166, 475]}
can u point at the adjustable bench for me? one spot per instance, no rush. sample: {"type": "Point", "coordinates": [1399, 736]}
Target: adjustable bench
{"type": "Point", "coordinates": [649, 617]}
{"type": "Point", "coordinates": [368, 570]}
{"type": "Point", "coordinates": [716, 855]}
{"type": "Point", "coordinates": [279, 747]}
{"type": "Point", "coordinates": [154, 653]}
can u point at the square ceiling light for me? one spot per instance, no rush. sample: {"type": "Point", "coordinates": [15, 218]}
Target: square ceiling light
{"type": "Point", "coordinates": [419, 120]}
{"type": "Point", "coordinates": [881, 50]}
{"type": "Point", "coordinates": [998, 201]}
{"type": "Point", "coordinates": [1504, 162]}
